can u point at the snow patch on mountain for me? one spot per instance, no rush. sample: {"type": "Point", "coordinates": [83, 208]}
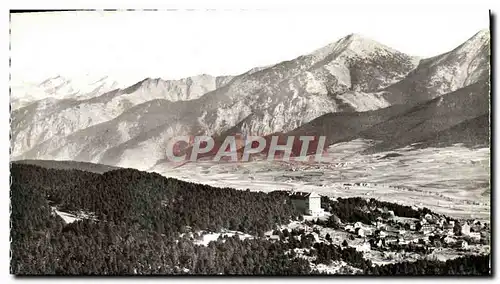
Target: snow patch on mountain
{"type": "Point", "coordinates": [59, 87]}
{"type": "Point", "coordinates": [55, 117]}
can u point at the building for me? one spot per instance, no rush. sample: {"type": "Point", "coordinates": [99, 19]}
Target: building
{"type": "Point", "coordinates": [464, 245]}
{"type": "Point", "coordinates": [475, 236]}
{"type": "Point", "coordinates": [360, 232]}
{"type": "Point", "coordinates": [427, 229]}
{"type": "Point", "coordinates": [428, 217]}
{"type": "Point", "coordinates": [381, 225]}
{"type": "Point", "coordinates": [449, 240]}
{"type": "Point", "coordinates": [465, 229]}
{"type": "Point", "coordinates": [349, 228]}
{"type": "Point", "coordinates": [365, 247]}
{"type": "Point", "coordinates": [380, 233]}
{"type": "Point", "coordinates": [308, 203]}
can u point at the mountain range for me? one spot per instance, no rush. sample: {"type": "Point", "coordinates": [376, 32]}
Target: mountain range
{"type": "Point", "coordinates": [352, 88]}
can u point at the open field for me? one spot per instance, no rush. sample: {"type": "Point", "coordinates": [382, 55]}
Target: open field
{"type": "Point", "coordinates": [452, 180]}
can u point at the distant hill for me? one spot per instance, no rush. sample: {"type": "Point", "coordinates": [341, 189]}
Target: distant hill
{"type": "Point", "coordinates": [472, 132]}
{"type": "Point", "coordinates": [430, 118]}
{"type": "Point", "coordinates": [69, 165]}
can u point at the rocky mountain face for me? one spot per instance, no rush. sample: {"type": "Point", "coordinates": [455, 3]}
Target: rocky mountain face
{"type": "Point", "coordinates": [445, 100]}
{"type": "Point", "coordinates": [56, 116]}
{"type": "Point", "coordinates": [344, 89]}
{"type": "Point", "coordinates": [448, 72]}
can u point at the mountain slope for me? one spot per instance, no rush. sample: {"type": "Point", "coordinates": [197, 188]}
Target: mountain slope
{"type": "Point", "coordinates": [473, 132]}
{"type": "Point", "coordinates": [463, 66]}
{"type": "Point", "coordinates": [353, 74]}
{"type": "Point", "coordinates": [278, 98]}
{"type": "Point", "coordinates": [428, 119]}
{"type": "Point", "coordinates": [54, 119]}
{"type": "Point", "coordinates": [457, 117]}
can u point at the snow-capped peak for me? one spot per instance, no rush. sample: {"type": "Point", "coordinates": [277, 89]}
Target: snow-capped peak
{"type": "Point", "coordinates": [354, 45]}
{"type": "Point", "coordinates": [485, 33]}
{"type": "Point", "coordinates": [60, 87]}
{"type": "Point", "coordinates": [476, 41]}
{"type": "Point", "coordinates": [363, 45]}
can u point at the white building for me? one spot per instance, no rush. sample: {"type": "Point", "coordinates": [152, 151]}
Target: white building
{"type": "Point", "coordinates": [349, 228]}
{"type": "Point", "coordinates": [427, 229]}
{"type": "Point", "coordinates": [358, 225]}
{"type": "Point", "coordinates": [307, 202]}
{"type": "Point", "coordinates": [360, 232]}
{"type": "Point", "coordinates": [475, 236]}
{"type": "Point", "coordinates": [449, 240]}
{"type": "Point", "coordinates": [364, 247]}
{"type": "Point", "coordinates": [465, 229]}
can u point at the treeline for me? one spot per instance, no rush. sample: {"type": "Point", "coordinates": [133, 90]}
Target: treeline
{"type": "Point", "coordinates": [472, 265]}
{"type": "Point", "coordinates": [164, 205]}
{"type": "Point", "coordinates": [139, 217]}
{"type": "Point", "coordinates": [97, 248]}
{"type": "Point", "coordinates": [357, 209]}
{"type": "Point", "coordinates": [140, 223]}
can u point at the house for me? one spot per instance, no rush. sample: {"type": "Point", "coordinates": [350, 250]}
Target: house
{"type": "Point", "coordinates": [465, 229]}
{"type": "Point", "coordinates": [449, 240]}
{"type": "Point", "coordinates": [448, 226]}
{"type": "Point", "coordinates": [441, 222]}
{"type": "Point", "coordinates": [475, 236]}
{"type": "Point", "coordinates": [381, 234]}
{"type": "Point", "coordinates": [448, 229]}
{"type": "Point", "coordinates": [308, 203]}
{"type": "Point", "coordinates": [403, 241]}
{"type": "Point", "coordinates": [427, 229]}
{"type": "Point", "coordinates": [360, 232]}
{"type": "Point", "coordinates": [349, 228]}
{"type": "Point", "coordinates": [391, 240]}
{"type": "Point", "coordinates": [380, 225]}
{"type": "Point", "coordinates": [365, 247]}
{"type": "Point", "coordinates": [273, 237]}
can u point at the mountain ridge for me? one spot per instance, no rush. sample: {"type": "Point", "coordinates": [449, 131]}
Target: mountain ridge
{"type": "Point", "coordinates": [353, 74]}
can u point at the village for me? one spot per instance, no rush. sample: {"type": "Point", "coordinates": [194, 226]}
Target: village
{"type": "Point", "coordinates": [391, 238]}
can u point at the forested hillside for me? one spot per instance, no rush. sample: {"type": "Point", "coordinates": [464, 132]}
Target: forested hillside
{"type": "Point", "coordinates": [144, 223]}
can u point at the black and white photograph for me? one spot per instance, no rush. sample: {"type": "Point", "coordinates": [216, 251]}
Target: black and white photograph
{"type": "Point", "coordinates": [218, 142]}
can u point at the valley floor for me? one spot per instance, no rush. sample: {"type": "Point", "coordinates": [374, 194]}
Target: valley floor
{"type": "Point", "coordinates": [453, 180]}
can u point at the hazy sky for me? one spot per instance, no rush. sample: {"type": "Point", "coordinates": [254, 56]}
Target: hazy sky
{"type": "Point", "coordinates": [130, 46]}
